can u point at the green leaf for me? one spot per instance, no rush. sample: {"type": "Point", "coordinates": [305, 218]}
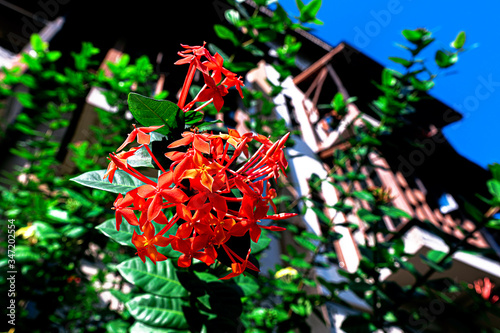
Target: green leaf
{"type": "Point", "coordinates": [363, 195]}
{"type": "Point", "coordinates": [207, 126]}
{"type": "Point", "coordinates": [139, 327]}
{"type": "Point", "coordinates": [494, 188]}
{"type": "Point", "coordinates": [24, 254]}
{"type": "Point", "coordinates": [193, 117]}
{"type": "Point", "coordinates": [308, 12]}
{"type": "Point", "coordinates": [117, 326]}
{"type": "Point", "coordinates": [122, 181]}
{"type": "Point", "coordinates": [123, 237]}
{"type": "Point", "coordinates": [305, 243]}
{"type": "Point", "coordinates": [401, 61]}
{"type": "Point", "coordinates": [413, 36]}
{"type": "Point", "coordinates": [368, 216]}
{"type": "Point", "coordinates": [225, 33]}
{"type": "Point", "coordinates": [120, 295]}
{"type": "Point", "coordinates": [44, 230]}
{"type": "Point", "coordinates": [421, 85]}
{"type": "Point", "coordinates": [37, 43]}
{"type": "Point", "coordinates": [254, 50]}
{"type": "Point", "coordinates": [141, 158]}
{"type": "Point", "coordinates": [247, 284]}
{"type": "Point", "coordinates": [434, 257]}
{"type": "Point", "coordinates": [300, 4]}
{"type": "Point", "coordinates": [445, 59]}
{"type": "Point", "coordinates": [266, 36]}
{"type": "Point", "coordinates": [72, 231]}
{"type": "Point", "coordinates": [495, 170]}
{"type": "Point", "coordinates": [158, 311]}
{"type": "Point", "coordinates": [262, 244]}
{"type": "Point", "coordinates": [338, 102]}
{"type": "Point", "coordinates": [476, 214]}
{"type": "Point", "coordinates": [394, 212]}
{"type": "Point", "coordinates": [459, 41]}
{"type": "Point", "coordinates": [238, 67]}
{"type": "Point", "coordinates": [159, 279]}
{"type": "Point", "coordinates": [232, 16]}
{"type": "Point", "coordinates": [494, 224]}
{"type": "Point", "coordinates": [151, 112]}
{"type": "Point", "coordinates": [53, 55]}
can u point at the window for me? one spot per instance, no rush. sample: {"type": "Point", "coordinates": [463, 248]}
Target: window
{"type": "Point", "coordinates": [447, 203]}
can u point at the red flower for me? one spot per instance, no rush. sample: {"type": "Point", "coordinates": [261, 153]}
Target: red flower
{"type": "Point", "coordinates": [123, 211]}
{"type": "Point", "coordinates": [142, 135]}
{"type": "Point", "coordinates": [192, 222]}
{"type": "Point", "coordinates": [233, 81]}
{"type": "Point", "coordinates": [216, 67]}
{"type": "Point", "coordinates": [160, 192]}
{"type": "Point", "coordinates": [199, 142]}
{"type": "Point", "coordinates": [145, 244]}
{"type": "Point", "coordinates": [212, 92]}
{"type": "Point", "coordinates": [122, 157]}
{"type": "Point", "coordinates": [199, 168]}
{"type": "Point", "coordinates": [236, 267]}
{"type": "Point", "coordinates": [191, 248]}
{"type": "Point", "coordinates": [483, 287]}
{"type": "Point", "coordinates": [213, 200]}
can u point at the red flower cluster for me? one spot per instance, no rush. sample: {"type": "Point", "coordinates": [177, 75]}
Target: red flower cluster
{"type": "Point", "coordinates": [208, 171]}
{"type": "Point", "coordinates": [214, 90]}
{"type": "Point", "coordinates": [484, 288]}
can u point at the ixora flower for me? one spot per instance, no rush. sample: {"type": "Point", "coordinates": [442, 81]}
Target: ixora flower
{"type": "Point", "coordinates": [484, 288]}
{"type": "Point", "coordinates": [213, 190]}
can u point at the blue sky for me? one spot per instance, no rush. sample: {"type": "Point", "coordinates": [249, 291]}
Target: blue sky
{"type": "Point", "coordinates": [471, 87]}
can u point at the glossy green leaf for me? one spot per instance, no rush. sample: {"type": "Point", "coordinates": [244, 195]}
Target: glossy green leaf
{"type": "Point", "coordinates": [262, 244]}
{"type": "Point", "coordinates": [363, 195]}
{"type": "Point", "coordinates": [117, 326]}
{"type": "Point", "coordinates": [159, 279]}
{"type": "Point", "coordinates": [72, 231]}
{"type": "Point", "coordinates": [401, 61]}
{"type": "Point", "coordinates": [239, 67]}
{"type": "Point", "coordinates": [232, 16]}
{"type": "Point", "coordinates": [225, 33]}
{"type": "Point", "coordinates": [37, 43]}
{"type": "Point", "coordinates": [338, 102]}
{"type": "Point", "coordinates": [394, 212]}
{"type": "Point", "coordinates": [122, 181]}
{"type": "Point", "coordinates": [459, 41]}
{"type": "Point", "coordinates": [421, 85]}
{"type": "Point", "coordinates": [151, 112]}
{"type": "Point", "coordinates": [266, 36]}
{"type": "Point", "coordinates": [193, 117]}
{"type": "Point", "coordinates": [141, 158]}
{"type": "Point", "coordinates": [495, 170]}
{"type": "Point", "coordinates": [158, 311]}
{"type": "Point", "coordinates": [476, 214]}
{"type": "Point", "coordinates": [247, 284]}
{"type": "Point", "coordinates": [308, 12]}
{"type": "Point", "coordinates": [123, 237]}
{"type": "Point", "coordinates": [305, 243]}
{"type": "Point", "coordinates": [413, 36]}
{"type": "Point", "coordinates": [25, 254]}
{"type": "Point", "coordinates": [494, 224]}
{"type": "Point", "coordinates": [43, 230]}
{"type": "Point", "coordinates": [53, 55]}
{"type": "Point", "coordinates": [139, 327]}
{"type": "Point", "coordinates": [368, 216]}
{"type": "Point", "coordinates": [434, 257]}
{"type": "Point", "coordinates": [445, 59]}
{"type": "Point", "coordinates": [494, 188]}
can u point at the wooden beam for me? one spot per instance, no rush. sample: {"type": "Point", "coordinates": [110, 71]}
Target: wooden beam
{"type": "Point", "coordinates": [318, 64]}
